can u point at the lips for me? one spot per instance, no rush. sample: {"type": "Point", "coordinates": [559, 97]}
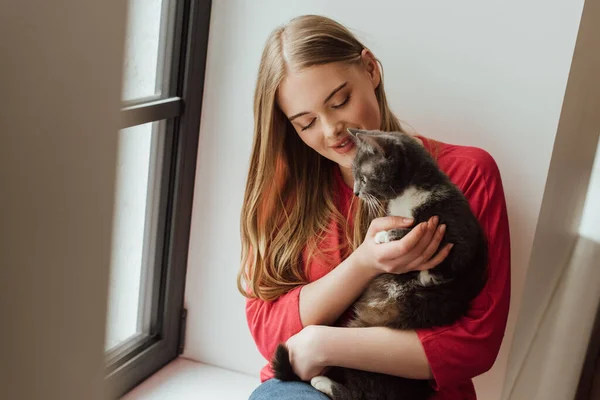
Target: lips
{"type": "Point", "coordinates": [344, 145]}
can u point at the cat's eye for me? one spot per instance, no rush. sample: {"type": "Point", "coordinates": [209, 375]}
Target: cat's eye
{"type": "Point", "coordinates": [363, 179]}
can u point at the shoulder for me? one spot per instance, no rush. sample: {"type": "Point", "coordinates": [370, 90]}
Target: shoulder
{"type": "Point", "coordinates": [468, 159]}
{"type": "Point", "coordinates": [473, 170]}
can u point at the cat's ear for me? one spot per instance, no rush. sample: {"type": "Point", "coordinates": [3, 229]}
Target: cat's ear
{"type": "Point", "coordinates": [374, 142]}
{"type": "Point", "coordinates": [353, 132]}
{"type": "Point", "coordinates": [369, 141]}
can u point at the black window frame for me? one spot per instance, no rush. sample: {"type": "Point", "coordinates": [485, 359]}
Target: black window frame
{"type": "Point", "coordinates": [141, 356]}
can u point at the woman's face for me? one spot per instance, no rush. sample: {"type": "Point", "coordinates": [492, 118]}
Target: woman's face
{"type": "Point", "coordinates": [323, 101]}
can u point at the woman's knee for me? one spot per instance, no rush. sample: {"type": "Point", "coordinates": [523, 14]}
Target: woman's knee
{"type": "Point", "coordinates": [276, 389]}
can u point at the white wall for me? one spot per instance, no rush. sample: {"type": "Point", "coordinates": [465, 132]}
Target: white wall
{"type": "Point", "coordinates": [490, 74]}
{"type": "Point", "coordinates": [60, 85]}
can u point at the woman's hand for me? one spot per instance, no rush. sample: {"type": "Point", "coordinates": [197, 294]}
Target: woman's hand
{"type": "Point", "coordinates": [413, 252]}
{"type": "Point", "coordinates": [306, 353]}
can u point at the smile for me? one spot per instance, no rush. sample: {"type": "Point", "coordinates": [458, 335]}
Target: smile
{"type": "Point", "coordinates": [344, 146]}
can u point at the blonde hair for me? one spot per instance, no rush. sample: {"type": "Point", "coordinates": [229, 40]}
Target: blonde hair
{"type": "Point", "coordinates": [289, 200]}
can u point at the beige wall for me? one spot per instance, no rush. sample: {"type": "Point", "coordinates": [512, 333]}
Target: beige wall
{"type": "Point", "coordinates": [553, 362]}
{"type": "Point", "coordinates": [59, 98]}
{"type": "Point", "coordinates": [565, 193]}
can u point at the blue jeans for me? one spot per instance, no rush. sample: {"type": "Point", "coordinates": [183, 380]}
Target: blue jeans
{"type": "Point", "coordinates": [274, 389]}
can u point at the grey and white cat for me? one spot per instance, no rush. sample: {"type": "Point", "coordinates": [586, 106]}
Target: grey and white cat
{"type": "Point", "coordinates": [396, 171]}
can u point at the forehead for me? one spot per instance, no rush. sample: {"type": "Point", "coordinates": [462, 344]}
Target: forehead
{"type": "Point", "coordinates": [305, 90]}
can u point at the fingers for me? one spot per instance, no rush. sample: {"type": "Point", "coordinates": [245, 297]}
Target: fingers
{"type": "Point", "coordinates": [434, 243]}
{"type": "Point", "coordinates": [417, 247]}
{"type": "Point", "coordinates": [390, 222]}
{"type": "Point", "coordinates": [435, 261]}
{"type": "Point", "coordinates": [422, 240]}
{"type": "Point", "coordinates": [430, 231]}
{"type": "Point", "coordinates": [405, 245]}
{"type": "Point", "coordinates": [415, 264]}
{"type": "Point", "coordinates": [428, 245]}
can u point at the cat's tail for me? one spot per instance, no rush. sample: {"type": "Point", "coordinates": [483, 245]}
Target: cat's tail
{"type": "Point", "coordinates": [281, 365]}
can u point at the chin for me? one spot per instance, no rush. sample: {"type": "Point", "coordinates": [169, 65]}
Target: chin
{"type": "Point", "coordinates": [345, 162]}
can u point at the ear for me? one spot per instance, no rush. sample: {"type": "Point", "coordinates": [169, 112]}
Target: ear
{"type": "Point", "coordinates": [371, 67]}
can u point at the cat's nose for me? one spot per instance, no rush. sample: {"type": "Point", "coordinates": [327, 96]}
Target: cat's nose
{"type": "Point", "coordinates": [357, 193]}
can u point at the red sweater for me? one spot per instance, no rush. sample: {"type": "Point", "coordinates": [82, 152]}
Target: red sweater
{"type": "Point", "coordinates": [456, 353]}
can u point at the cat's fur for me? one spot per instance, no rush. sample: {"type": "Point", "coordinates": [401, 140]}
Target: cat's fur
{"type": "Point", "coordinates": [401, 174]}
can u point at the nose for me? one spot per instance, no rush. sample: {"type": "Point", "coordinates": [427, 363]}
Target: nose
{"type": "Point", "coordinates": [332, 128]}
{"type": "Point", "coordinates": [357, 193]}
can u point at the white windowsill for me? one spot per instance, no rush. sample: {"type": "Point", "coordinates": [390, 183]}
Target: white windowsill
{"type": "Point", "coordinates": [185, 379]}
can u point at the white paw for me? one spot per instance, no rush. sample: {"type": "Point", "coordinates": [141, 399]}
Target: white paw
{"type": "Point", "coordinates": [382, 237]}
{"type": "Point", "coordinates": [428, 279]}
{"type": "Point", "coordinates": [323, 384]}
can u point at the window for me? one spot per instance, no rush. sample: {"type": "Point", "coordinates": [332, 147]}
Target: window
{"type": "Point", "coordinates": [165, 55]}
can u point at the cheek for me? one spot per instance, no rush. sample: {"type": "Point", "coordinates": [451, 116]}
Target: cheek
{"type": "Point", "coordinates": [366, 113]}
{"type": "Point", "coordinates": [311, 140]}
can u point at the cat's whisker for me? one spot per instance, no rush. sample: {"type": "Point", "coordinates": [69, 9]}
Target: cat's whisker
{"type": "Point", "coordinates": [367, 203]}
{"type": "Point", "coordinates": [369, 207]}
{"type": "Point", "coordinates": [378, 208]}
{"type": "Point", "coordinates": [370, 204]}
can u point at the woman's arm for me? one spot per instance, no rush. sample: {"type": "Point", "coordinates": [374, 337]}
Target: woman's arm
{"type": "Point", "coordinates": [324, 300]}
{"type": "Point", "coordinates": [376, 349]}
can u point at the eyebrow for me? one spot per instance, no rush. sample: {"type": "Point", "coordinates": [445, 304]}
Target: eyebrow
{"type": "Point", "coordinates": [333, 92]}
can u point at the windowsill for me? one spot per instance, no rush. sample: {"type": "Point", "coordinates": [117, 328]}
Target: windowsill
{"type": "Point", "coordinates": [185, 379]}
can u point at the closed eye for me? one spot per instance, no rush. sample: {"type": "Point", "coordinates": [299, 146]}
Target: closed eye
{"type": "Point", "coordinates": [309, 125]}
{"type": "Point", "coordinates": [343, 103]}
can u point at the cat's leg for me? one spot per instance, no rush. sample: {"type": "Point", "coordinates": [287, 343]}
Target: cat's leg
{"type": "Point", "coordinates": [331, 388]}
{"type": "Point", "coordinates": [391, 235]}
{"type": "Point", "coordinates": [323, 384]}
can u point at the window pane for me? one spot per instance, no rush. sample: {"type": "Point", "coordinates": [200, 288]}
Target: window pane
{"type": "Point", "coordinates": [134, 232]}
{"type": "Point", "coordinates": [147, 49]}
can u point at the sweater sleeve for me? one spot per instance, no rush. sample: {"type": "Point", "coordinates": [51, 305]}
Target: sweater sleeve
{"type": "Point", "coordinates": [272, 323]}
{"type": "Point", "coordinates": [469, 347]}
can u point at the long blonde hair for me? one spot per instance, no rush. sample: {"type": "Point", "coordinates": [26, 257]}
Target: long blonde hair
{"type": "Point", "coordinates": [289, 199]}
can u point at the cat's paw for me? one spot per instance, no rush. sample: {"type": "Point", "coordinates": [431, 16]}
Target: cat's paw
{"type": "Point", "coordinates": [390, 236]}
{"type": "Point", "coordinates": [323, 384]}
{"type": "Point", "coordinates": [382, 237]}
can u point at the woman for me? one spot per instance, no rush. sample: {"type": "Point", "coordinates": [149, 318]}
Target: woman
{"type": "Point", "coordinates": [308, 248]}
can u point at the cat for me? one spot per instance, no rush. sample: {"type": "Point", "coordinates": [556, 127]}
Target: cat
{"type": "Point", "coordinates": [394, 170]}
